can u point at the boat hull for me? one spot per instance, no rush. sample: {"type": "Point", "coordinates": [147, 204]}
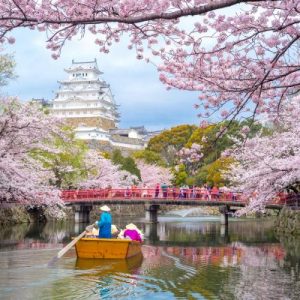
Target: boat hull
{"type": "Point", "coordinates": [107, 248]}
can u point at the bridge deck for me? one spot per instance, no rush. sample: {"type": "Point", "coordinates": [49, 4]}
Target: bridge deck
{"type": "Point", "coordinates": [118, 196]}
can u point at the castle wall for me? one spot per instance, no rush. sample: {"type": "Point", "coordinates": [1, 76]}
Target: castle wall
{"type": "Point", "coordinates": [99, 122]}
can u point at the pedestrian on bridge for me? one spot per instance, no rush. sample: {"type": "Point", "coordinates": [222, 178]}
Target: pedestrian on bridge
{"type": "Point", "coordinates": [157, 187]}
{"type": "Point", "coordinates": [164, 189]}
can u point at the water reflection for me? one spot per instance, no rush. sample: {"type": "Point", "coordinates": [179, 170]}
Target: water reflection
{"type": "Point", "coordinates": [108, 272]}
{"type": "Point", "coordinates": [104, 266]}
{"type": "Point", "coordinates": [182, 259]}
{"type": "Point", "coordinates": [186, 232]}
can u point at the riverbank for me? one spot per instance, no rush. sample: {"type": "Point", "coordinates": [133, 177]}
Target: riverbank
{"type": "Point", "coordinates": [11, 214]}
{"type": "Point", "coordinates": [288, 221]}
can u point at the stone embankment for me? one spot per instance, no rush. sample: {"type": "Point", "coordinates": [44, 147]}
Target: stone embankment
{"type": "Point", "coordinates": [291, 244]}
{"type": "Point", "coordinates": [11, 213]}
{"type": "Point", "coordinates": [14, 215]}
{"type": "Point", "coordinates": [288, 221]}
{"type": "Point", "coordinates": [119, 210]}
{"type": "Point", "coordinates": [139, 210]}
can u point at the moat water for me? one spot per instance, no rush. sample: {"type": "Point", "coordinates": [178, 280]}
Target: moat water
{"type": "Point", "coordinates": [183, 258]}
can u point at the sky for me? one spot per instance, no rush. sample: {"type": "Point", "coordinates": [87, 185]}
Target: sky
{"type": "Point", "coordinates": [143, 99]}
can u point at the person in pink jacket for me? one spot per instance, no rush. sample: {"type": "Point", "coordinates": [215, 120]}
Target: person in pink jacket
{"type": "Point", "coordinates": [133, 233]}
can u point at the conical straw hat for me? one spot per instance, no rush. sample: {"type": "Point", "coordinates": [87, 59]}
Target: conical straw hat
{"type": "Point", "coordinates": [131, 226]}
{"type": "Point", "coordinates": [105, 208]}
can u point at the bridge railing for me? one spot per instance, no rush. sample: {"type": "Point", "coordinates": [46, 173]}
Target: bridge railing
{"type": "Point", "coordinates": [140, 193]}
{"type": "Point", "coordinates": [290, 200]}
{"type": "Point", "coordinates": [282, 199]}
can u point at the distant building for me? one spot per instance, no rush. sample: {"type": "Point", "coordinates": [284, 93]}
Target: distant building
{"type": "Point", "coordinates": [85, 101]}
{"type": "Point", "coordinates": [41, 102]}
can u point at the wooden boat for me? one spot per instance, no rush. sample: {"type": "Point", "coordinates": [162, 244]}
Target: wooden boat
{"type": "Point", "coordinates": [107, 248]}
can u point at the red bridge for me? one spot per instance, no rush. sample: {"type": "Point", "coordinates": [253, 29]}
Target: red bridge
{"type": "Point", "coordinates": [83, 200]}
{"type": "Point", "coordinates": [168, 196]}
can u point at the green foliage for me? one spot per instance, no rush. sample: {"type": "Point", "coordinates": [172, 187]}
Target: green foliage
{"type": "Point", "coordinates": [169, 142]}
{"type": "Point", "coordinates": [126, 163]}
{"type": "Point", "coordinates": [7, 66]}
{"type": "Point", "coordinates": [212, 173]}
{"type": "Point", "coordinates": [150, 157]}
{"type": "Point", "coordinates": [106, 155]}
{"type": "Point", "coordinates": [67, 163]}
{"type": "Point", "coordinates": [213, 144]}
{"type": "Point", "coordinates": [180, 175]}
{"type": "Point", "coordinates": [190, 181]}
{"type": "Point", "coordinates": [130, 166]}
{"type": "Point", "coordinates": [117, 157]}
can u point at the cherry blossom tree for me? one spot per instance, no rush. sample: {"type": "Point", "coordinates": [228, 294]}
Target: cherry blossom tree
{"type": "Point", "coordinates": [191, 157]}
{"type": "Point", "coordinates": [23, 127]}
{"type": "Point", "coordinates": [66, 163]}
{"type": "Point", "coordinates": [267, 165]}
{"type": "Point", "coordinates": [152, 174]}
{"type": "Point", "coordinates": [242, 56]}
{"type": "Point", "coordinates": [103, 173]}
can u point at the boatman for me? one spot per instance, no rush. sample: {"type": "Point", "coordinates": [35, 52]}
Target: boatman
{"type": "Point", "coordinates": [105, 223]}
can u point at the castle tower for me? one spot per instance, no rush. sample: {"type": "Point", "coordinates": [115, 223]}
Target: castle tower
{"type": "Point", "coordinates": [85, 100]}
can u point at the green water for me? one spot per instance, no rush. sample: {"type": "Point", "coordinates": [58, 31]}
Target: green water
{"type": "Point", "coordinates": [183, 258]}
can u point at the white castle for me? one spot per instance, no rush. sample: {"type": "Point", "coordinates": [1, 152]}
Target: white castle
{"type": "Point", "coordinates": [86, 102]}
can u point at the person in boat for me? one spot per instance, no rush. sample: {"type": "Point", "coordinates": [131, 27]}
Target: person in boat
{"type": "Point", "coordinates": [131, 232]}
{"type": "Point", "coordinates": [104, 223]}
{"type": "Point", "coordinates": [114, 231]}
{"type": "Point", "coordinates": [95, 231]}
{"type": "Point", "coordinates": [92, 233]}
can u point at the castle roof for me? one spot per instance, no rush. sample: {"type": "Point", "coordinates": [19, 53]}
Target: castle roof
{"type": "Point", "coordinates": [84, 66]}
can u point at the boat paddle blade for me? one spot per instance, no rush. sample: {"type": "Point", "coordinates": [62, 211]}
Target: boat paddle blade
{"type": "Point", "coordinates": [70, 245]}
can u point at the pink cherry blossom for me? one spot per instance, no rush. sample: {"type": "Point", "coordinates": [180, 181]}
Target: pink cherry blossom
{"type": "Point", "coordinates": [153, 174]}
{"type": "Point", "coordinates": [267, 165]}
{"type": "Point", "coordinates": [191, 157]}
{"type": "Point", "coordinates": [103, 173]}
{"type": "Point", "coordinates": [24, 127]}
{"type": "Point", "coordinates": [242, 57]}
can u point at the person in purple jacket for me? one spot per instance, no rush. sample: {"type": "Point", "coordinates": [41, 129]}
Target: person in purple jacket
{"type": "Point", "coordinates": [133, 233]}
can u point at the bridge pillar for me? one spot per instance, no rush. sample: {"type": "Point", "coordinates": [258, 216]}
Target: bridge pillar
{"type": "Point", "coordinates": [82, 213]}
{"type": "Point", "coordinates": [151, 232]}
{"type": "Point", "coordinates": [151, 213]}
{"type": "Point", "coordinates": [224, 214]}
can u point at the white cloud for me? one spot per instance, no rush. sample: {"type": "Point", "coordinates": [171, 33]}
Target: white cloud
{"type": "Point", "coordinates": [143, 99]}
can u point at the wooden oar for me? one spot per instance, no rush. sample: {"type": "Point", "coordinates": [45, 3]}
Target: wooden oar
{"type": "Point", "coordinates": [70, 245]}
